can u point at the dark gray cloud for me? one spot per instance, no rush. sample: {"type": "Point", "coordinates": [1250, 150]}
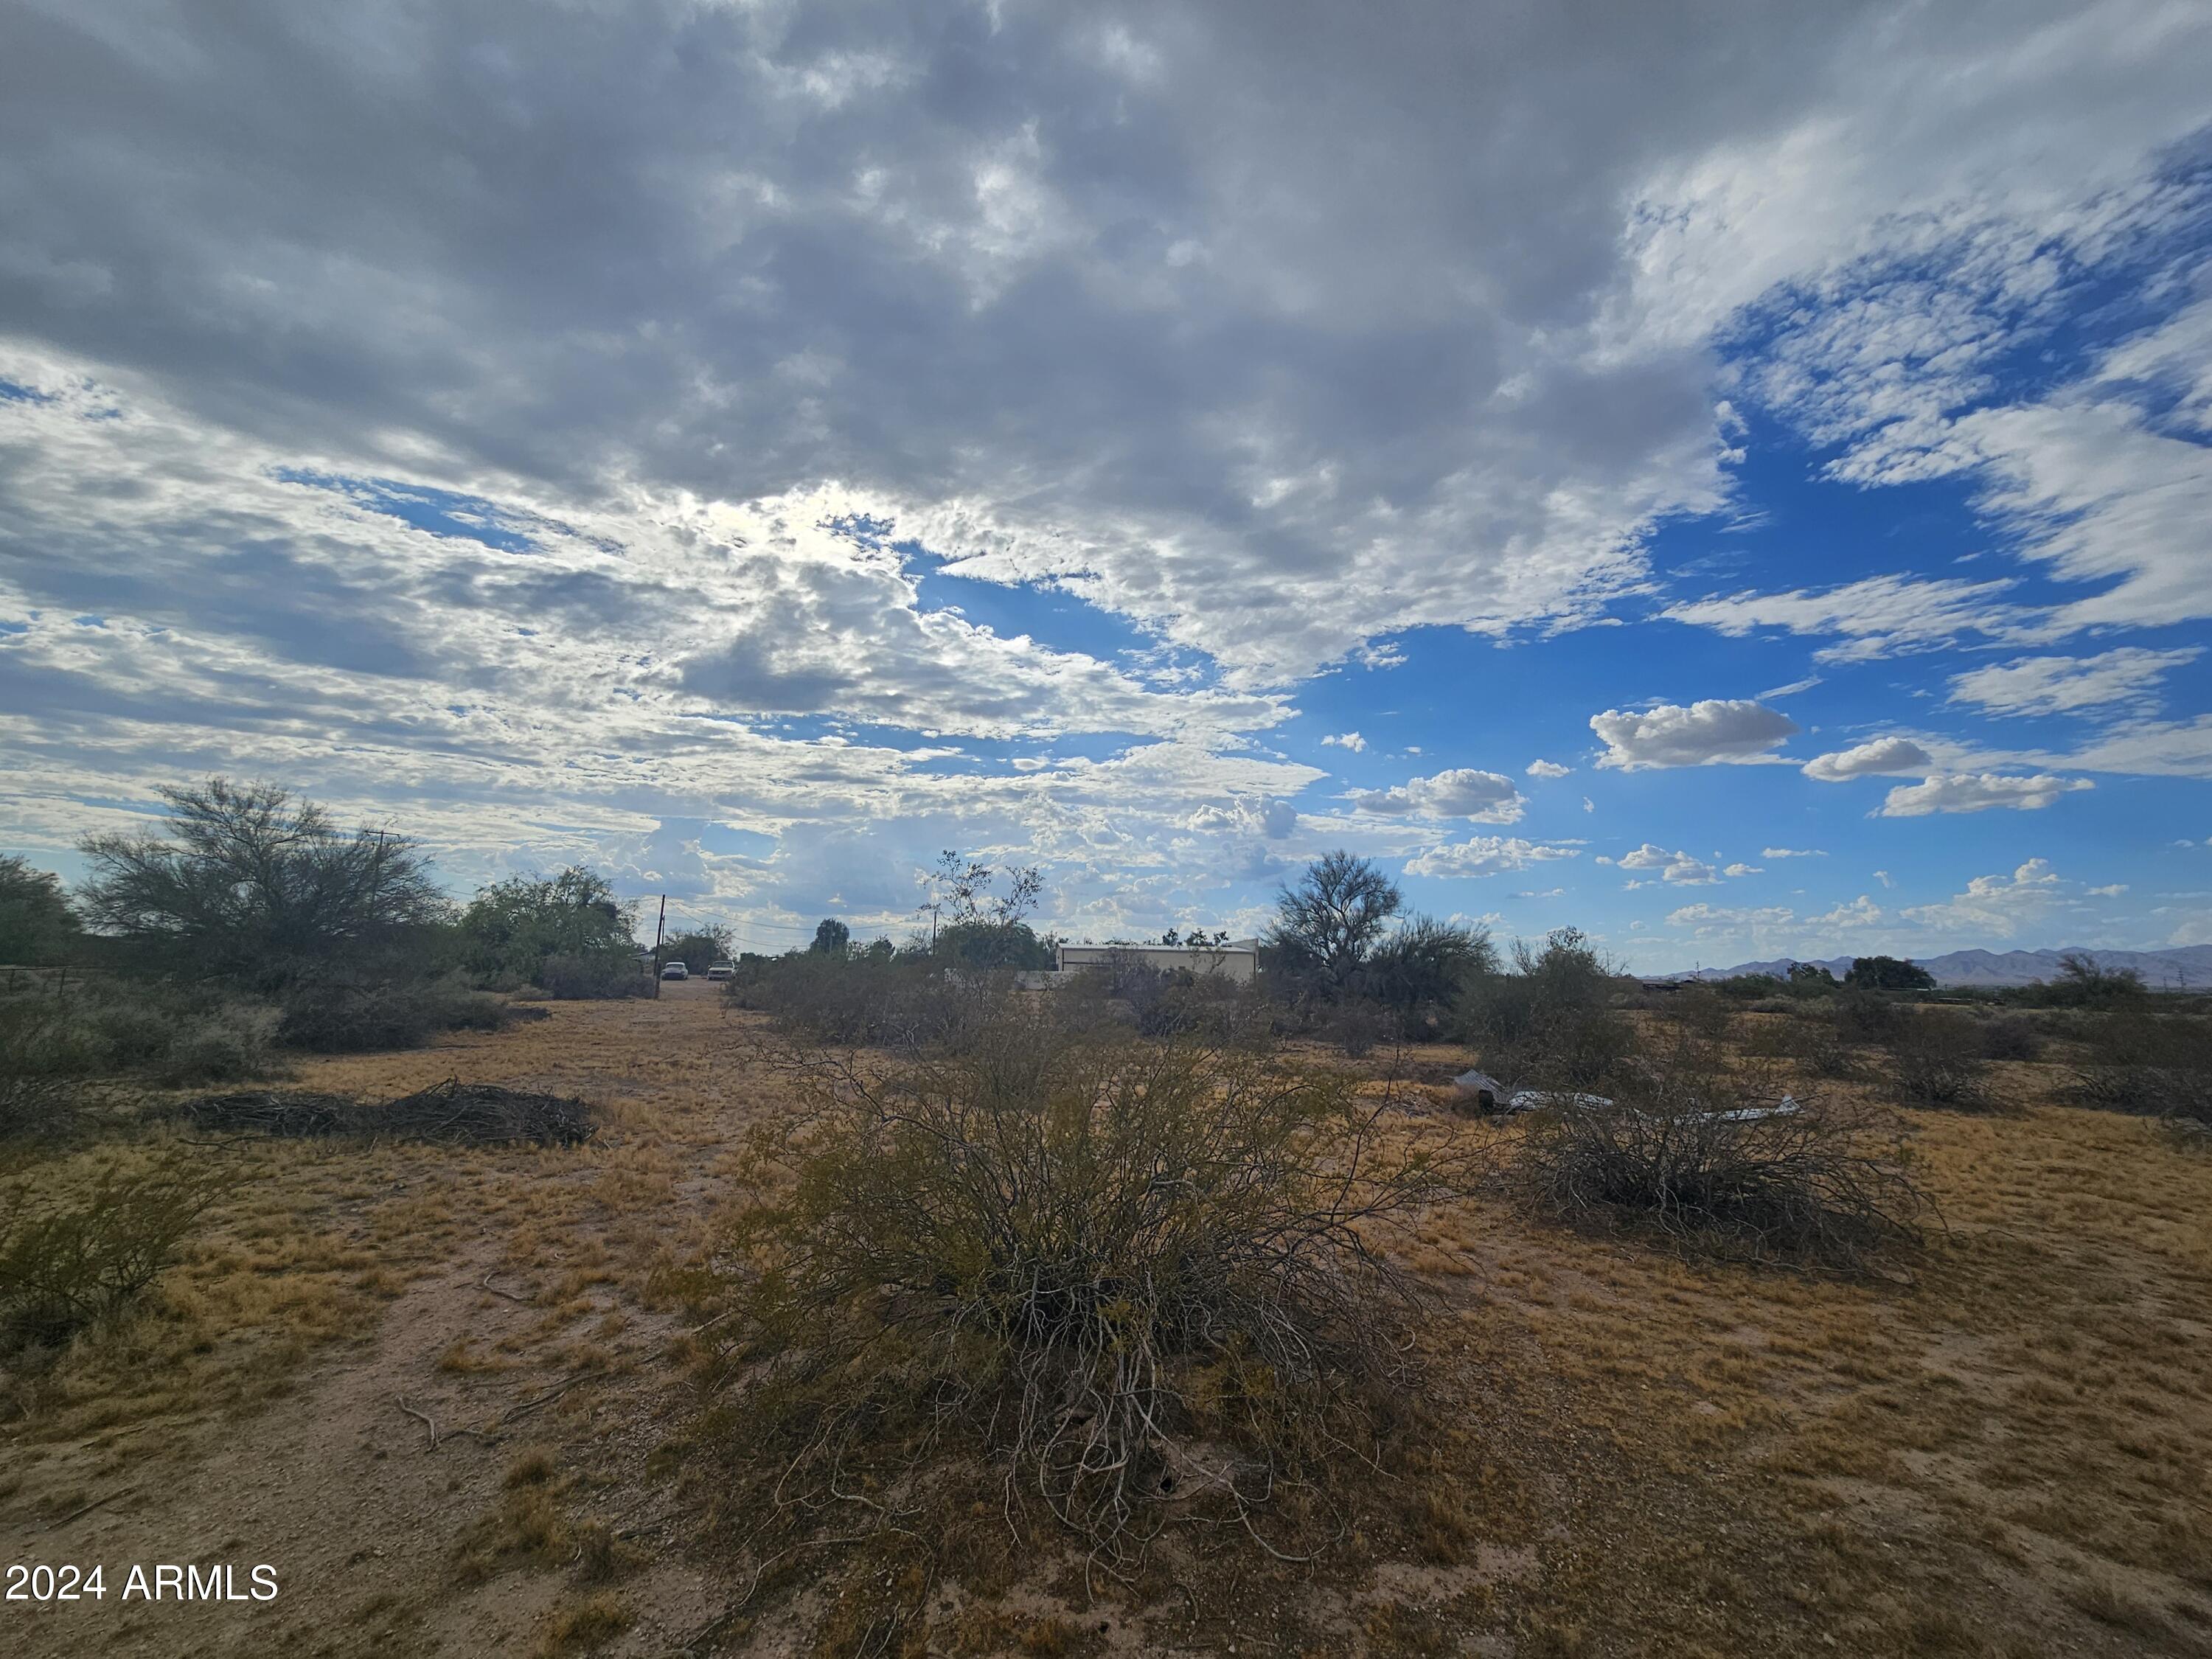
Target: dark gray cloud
{"type": "Point", "coordinates": [1192, 302]}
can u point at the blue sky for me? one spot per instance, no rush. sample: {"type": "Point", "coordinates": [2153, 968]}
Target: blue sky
{"type": "Point", "coordinates": [1735, 480]}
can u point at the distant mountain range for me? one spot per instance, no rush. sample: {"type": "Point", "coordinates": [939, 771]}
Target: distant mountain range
{"type": "Point", "coordinates": [2186, 966]}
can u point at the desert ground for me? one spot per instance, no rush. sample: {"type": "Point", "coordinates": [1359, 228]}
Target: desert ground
{"type": "Point", "coordinates": [440, 1395]}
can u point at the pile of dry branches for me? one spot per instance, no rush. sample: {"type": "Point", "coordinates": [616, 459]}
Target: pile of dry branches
{"type": "Point", "coordinates": [477, 1113]}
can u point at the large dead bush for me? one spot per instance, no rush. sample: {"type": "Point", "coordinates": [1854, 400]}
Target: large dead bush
{"type": "Point", "coordinates": [1139, 1278]}
{"type": "Point", "coordinates": [2158, 1065]}
{"type": "Point", "coordinates": [1935, 1060]}
{"type": "Point", "coordinates": [1710, 1157]}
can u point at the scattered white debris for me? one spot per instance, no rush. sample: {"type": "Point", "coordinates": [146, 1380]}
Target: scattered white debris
{"type": "Point", "coordinates": [1535, 1099]}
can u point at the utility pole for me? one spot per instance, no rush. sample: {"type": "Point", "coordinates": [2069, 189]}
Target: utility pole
{"type": "Point", "coordinates": [659, 928]}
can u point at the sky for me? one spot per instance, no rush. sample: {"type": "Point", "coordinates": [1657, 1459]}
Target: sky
{"type": "Point", "coordinates": [1733, 478]}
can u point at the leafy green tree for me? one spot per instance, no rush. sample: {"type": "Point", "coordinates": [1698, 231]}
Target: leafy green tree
{"type": "Point", "coordinates": [247, 883]}
{"type": "Point", "coordinates": [36, 923]}
{"type": "Point", "coordinates": [832, 938]}
{"type": "Point", "coordinates": [1888, 974]}
{"type": "Point", "coordinates": [511, 929]}
{"type": "Point", "coordinates": [1331, 919]}
{"type": "Point", "coordinates": [993, 944]}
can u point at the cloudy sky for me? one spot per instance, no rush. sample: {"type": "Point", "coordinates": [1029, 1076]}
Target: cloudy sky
{"type": "Point", "coordinates": [1732, 475]}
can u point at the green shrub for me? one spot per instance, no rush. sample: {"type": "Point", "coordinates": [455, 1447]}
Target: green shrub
{"type": "Point", "coordinates": [597, 977]}
{"type": "Point", "coordinates": [1166, 1002]}
{"type": "Point", "coordinates": [175, 1035]}
{"type": "Point", "coordinates": [1134, 1273]}
{"type": "Point", "coordinates": [46, 1054]}
{"type": "Point", "coordinates": [862, 999]}
{"type": "Point", "coordinates": [64, 1265]}
{"type": "Point", "coordinates": [337, 1018]}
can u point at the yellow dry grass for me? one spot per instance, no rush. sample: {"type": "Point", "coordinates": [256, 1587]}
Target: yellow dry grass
{"type": "Point", "coordinates": [2005, 1449]}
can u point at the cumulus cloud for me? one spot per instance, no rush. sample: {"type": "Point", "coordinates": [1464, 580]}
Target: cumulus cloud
{"type": "Point", "coordinates": [1893, 756]}
{"type": "Point", "coordinates": [1978, 792]}
{"type": "Point", "coordinates": [1734, 731]}
{"type": "Point", "coordinates": [1544, 768]}
{"type": "Point", "coordinates": [1460, 793]}
{"type": "Point", "coordinates": [1484, 855]}
{"type": "Point", "coordinates": [2054, 685]}
{"type": "Point", "coordinates": [1791, 853]}
{"type": "Point", "coordinates": [1351, 740]}
{"type": "Point", "coordinates": [1743, 870]}
{"type": "Point", "coordinates": [1677, 867]}
{"type": "Point", "coordinates": [1997, 905]}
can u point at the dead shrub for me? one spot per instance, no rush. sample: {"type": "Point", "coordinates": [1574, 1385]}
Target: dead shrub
{"type": "Point", "coordinates": [1934, 1060]}
{"type": "Point", "coordinates": [1142, 1278]}
{"type": "Point", "coordinates": [2158, 1064]}
{"type": "Point", "coordinates": [1817, 1044]}
{"type": "Point", "coordinates": [1703, 1157]}
{"type": "Point", "coordinates": [2010, 1037]}
{"type": "Point", "coordinates": [64, 1264]}
{"type": "Point", "coordinates": [1867, 1017]}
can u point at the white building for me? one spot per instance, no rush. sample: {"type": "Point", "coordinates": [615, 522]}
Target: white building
{"type": "Point", "coordinates": [1238, 961]}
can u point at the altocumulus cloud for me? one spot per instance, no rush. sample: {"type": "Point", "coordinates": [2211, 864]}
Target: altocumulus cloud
{"type": "Point", "coordinates": [565, 423]}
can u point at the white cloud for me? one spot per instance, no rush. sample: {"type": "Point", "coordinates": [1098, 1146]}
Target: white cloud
{"type": "Point", "coordinates": [1460, 793]}
{"type": "Point", "coordinates": [1484, 855]}
{"type": "Point", "coordinates": [1734, 730]}
{"type": "Point", "coordinates": [1970, 792]}
{"type": "Point", "coordinates": [1994, 904]}
{"type": "Point", "coordinates": [1544, 768]}
{"type": "Point", "coordinates": [1791, 853]}
{"type": "Point", "coordinates": [1792, 689]}
{"type": "Point", "coordinates": [1743, 870]}
{"type": "Point", "coordinates": [1351, 740]}
{"type": "Point", "coordinates": [2112, 891]}
{"type": "Point", "coordinates": [1263, 817]}
{"type": "Point", "coordinates": [1893, 756]}
{"type": "Point", "coordinates": [1877, 617]}
{"type": "Point", "coordinates": [1677, 867]}
{"type": "Point", "coordinates": [2050, 685]}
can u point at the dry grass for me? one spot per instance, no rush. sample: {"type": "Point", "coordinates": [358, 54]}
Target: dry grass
{"type": "Point", "coordinates": [2006, 1454]}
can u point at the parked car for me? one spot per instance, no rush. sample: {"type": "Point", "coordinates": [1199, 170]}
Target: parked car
{"type": "Point", "coordinates": [722, 970]}
{"type": "Point", "coordinates": [676, 970]}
